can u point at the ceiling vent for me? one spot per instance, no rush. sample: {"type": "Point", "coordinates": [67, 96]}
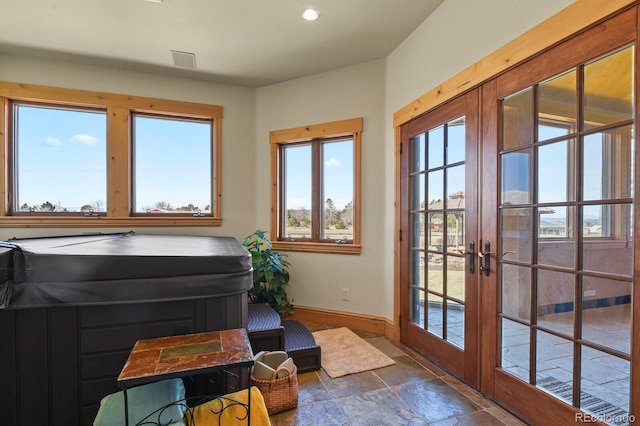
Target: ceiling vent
{"type": "Point", "coordinates": [184, 59]}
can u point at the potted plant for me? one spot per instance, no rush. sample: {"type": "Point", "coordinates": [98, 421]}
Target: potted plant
{"type": "Point", "coordinates": [270, 274]}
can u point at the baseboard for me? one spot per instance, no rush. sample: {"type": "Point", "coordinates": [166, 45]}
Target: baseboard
{"type": "Point", "coordinates": [369, 323]}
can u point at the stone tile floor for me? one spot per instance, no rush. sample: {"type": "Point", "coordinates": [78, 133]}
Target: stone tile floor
{"type": "Point", "coordinates": [411, 392]}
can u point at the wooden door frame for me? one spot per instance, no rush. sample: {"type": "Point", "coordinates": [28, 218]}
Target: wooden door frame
{"type": "Point", "coordinates": [446, 354]}
{"type": "Point", "coordinates": [571, 21]}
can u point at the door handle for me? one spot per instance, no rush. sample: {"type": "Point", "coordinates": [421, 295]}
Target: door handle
{"type": "Point", "coordinates": [472, 257]}
{"type": "Point", "coordinates": [486, 258]}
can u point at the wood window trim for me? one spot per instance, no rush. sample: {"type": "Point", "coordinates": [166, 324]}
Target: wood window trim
{"type": "Point", "coordinates": [351, 128]}
{"type": "Point", "coordinates": [118, 108]}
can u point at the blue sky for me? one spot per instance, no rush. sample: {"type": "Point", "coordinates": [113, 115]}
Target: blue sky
{"type": "Point", "coordinates": [62, 159]}
{"type": "Point", "coordinates": [338, 174]}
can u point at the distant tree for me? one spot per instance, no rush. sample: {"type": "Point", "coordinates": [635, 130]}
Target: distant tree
{"type": "Point", "coordinates": [330, 213]}
{"type": "Point", "coordinates": [163, 205]}
{"type": "Point", "coordinates": [25, 207]}
{"type": "Point", "coordinates": [347, 215]}
{"type": "Point", "coordinates": [292, 221]}
{"type": "Point", "coordinates": [87, 208]}
{"type": "Point", "coordinates": [188, 208]}
{"type": "Point", "coordinates": [47, 207]}
{"type": "Point", "coordinates": [98, 206]}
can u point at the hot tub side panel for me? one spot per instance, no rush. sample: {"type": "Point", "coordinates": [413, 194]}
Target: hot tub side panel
{"type": "Point", "coordinates": [57, 363]}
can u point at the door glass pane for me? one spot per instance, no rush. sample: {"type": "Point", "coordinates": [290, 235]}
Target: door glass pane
{"type": "Point", "coordinates": [608, 89]}
{"type": "Point", "coordinates": [435, 275]}
{"type": "Point", "coordinates": [435, 322]}
{"type": "Point", "coordinates": [517, 113]}
{"type": "Point", "coordinates": [608, 244]}
{"type": "Point", "coordinates": [436, 190]}
{"type": "Point", "coordinates": [556, 301]}
{"type": "Point", "coordinates": [418, 153]}
{"type": "Point", "coordinates": [455, 187]}
{"type": "Point", "coordinates": [455, 323]}
{"type": "Point", "coordinates": [605, 386]}
{"type": "Point", "coordinates": [417, 268]}
{"type": "Point", "coordinates": [554, 362]}
{"type": "Point", "coordinates": [417, 236]}
{"type": "Point", "coordinates": [606, 313]}
{"type": "Point", "coordinates": [455, 233]}
{"type": "Point", "coordinates": [553, 172]}
{"type": "Point", "coordinates": [417, 201]}
{"type": "Point", "coordinates": [455, 276]}
{"type": "Point", "coordinates": [608, 164]}
{"type": "Point", "coordinates": [456, 141]}
{"type": "Point", "coordinates": [515, 348]}
{"type": "Point", "coordinates": [557, 106]}
{"type": "Point", "coordinates": [417, 306]}
{"type": "Point", "coordinates": [436, 231]}
{"type": "Point", "coordinates": [516, 292]}
{"type": "Point", "coordinates": [556, 243]}
{"type": "Point", "coordinates": [436, 147]}
{"type": "Point", "coordinates": [515, 232]}
{"type": "Point", "coordinates": [516, 184]}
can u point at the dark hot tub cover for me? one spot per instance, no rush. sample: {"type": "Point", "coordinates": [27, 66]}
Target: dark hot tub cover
{"type": "Point", "coordinates": [120, 268]}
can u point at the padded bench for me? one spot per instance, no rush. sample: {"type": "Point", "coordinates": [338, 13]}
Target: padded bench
{"type": "Point", "coordinates": [301, 346]}
{"type": "Point", "coordinates": [268, 333]}
{"type": "Point", "coordinates": [264, 329]}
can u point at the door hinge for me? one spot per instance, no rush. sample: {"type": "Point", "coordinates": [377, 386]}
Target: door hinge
{"type": "Point", "coordinates": [399, 234]}
{"type": "Point", "coordinates": [400, 148]}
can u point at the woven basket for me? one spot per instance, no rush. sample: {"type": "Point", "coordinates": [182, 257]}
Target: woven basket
{"type": "Point", "coordinates": [279, 394]}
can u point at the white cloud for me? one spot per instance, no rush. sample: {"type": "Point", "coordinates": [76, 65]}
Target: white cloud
{"type": "Point", "coordinates": [53, 141]}
{"type": "Point", "coordinates": [85, 139]}
{"type": "Point", "coordinates": [332, 162]}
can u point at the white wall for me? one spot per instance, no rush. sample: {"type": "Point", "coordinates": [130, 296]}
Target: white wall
{"type": "Point", "coordinates": [454, 37]}
{"type": "Point", "coordinates": [358, 91]}
{"type": "Point", "coordinates": [238, 131]}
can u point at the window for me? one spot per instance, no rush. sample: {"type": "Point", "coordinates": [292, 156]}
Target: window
{"type": "Point", "coordinates": [59, 160]}
{"type": "Point", "coordinates": [316, 187]}
{"type": "Point", "coordinates": [79, 158]}
{"type": "Point", "coordinates": [172, 165]}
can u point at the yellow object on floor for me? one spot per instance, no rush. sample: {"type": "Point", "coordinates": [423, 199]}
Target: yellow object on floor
{"type": "Point", "coordinates": [226, 411]}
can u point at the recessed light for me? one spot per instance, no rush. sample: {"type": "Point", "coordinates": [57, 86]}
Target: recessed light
{"type": "Point", "coordinates": [310, 14]}
{"type": "Point", "coordinates": [154, 1]}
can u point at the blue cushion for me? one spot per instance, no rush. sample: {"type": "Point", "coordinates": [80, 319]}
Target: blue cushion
{"type": "Point", "coordinates": [143, 401]}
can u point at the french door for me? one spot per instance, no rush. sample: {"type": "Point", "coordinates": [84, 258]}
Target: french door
{"type": "Point", "coordinates": [566, 179]}
{"type": "Point", "coordinates": [439, 228]}
{"type": "Point", "coordinates": [518, 214]}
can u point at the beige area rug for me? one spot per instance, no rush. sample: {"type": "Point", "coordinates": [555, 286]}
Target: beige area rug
{"type": "Point", "coordinates": [344, 352]}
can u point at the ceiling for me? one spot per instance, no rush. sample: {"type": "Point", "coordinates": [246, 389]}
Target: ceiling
{"type": "Point", "coordinates": [249, 43]}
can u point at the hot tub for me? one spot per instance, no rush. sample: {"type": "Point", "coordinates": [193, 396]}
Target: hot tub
{"type": "Point", "coordinates": [72, 307]}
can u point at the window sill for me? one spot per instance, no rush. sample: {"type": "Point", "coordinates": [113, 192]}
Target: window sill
{"type": "Point", "coordinates": [317, 247]}
{"type": "Point", "coordinates": [88, 222]}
